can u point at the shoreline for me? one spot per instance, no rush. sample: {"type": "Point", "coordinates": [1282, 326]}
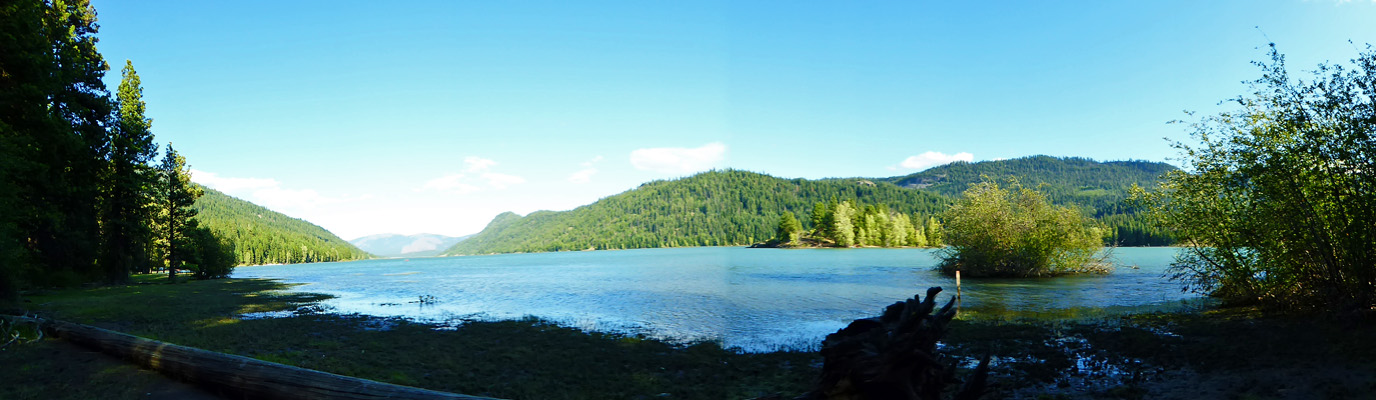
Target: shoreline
{"type": "Point", "coordinates": [1205, 353]}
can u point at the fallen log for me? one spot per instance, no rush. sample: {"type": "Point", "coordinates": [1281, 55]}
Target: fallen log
{"type": "Point", "coordinates": [235, 376]}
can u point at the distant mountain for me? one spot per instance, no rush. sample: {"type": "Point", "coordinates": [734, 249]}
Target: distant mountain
{"type": "Point", "coordinates": [263, 236]}
{"type": "Point", "coordinates": [737, 207]}
{"type": "Point", "coordinates": [393, 245]}
{"type": "Point", "coordinates": [708, 209]}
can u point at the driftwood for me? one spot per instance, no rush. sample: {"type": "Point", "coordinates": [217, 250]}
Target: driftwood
{"type": "Point", "coordinates": [893, 356]}
{"type": "Point", "coordinates": [236, 376]}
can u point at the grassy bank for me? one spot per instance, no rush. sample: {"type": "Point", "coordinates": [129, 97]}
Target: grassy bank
{"type": "Point", "coordinates": [1223, 354]}
{"type": "Point", "coordinates": [511, 359]}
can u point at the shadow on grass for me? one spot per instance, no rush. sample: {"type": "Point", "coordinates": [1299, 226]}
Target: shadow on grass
{"type": "Point", "coordinates": [512, 359]}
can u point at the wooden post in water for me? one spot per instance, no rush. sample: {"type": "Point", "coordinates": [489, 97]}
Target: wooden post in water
{"type": "Point", "coordinates": [957, 290]}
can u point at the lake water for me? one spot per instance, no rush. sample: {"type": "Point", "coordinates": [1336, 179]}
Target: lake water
{"type": "Point", "coordinates": [754, 299]}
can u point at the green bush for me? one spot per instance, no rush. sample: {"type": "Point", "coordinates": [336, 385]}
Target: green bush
{"type": "Point", "coordinates": [1015, 232]}
{"type": "Point", "coordinates": [212, 257]}
{"type": "Point", "coordinates": [1278, 204]}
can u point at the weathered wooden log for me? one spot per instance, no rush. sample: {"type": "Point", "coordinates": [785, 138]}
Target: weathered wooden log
{"type": "Point", "coordinates": [236, 376]}
{"type": "Point", "coordinates": [893, 356]}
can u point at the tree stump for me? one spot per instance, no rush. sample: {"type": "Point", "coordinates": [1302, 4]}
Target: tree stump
{"type": "Point", "coordinates": [893, 356]}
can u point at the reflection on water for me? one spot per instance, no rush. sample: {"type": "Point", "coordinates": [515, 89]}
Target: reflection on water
{"type": "Point", "coordinates": [755, 299]}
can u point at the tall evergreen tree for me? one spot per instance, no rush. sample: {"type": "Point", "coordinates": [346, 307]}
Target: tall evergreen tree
{"type": "Point", "coordinates": [176, 195]}
{"type": "Point", "coordinates": [820, 216]}
{"type": "Point", "coordinates": [53, 111]}
{"type": "Point", "coordinates": [919, 237]}
{"type": "Point", "coordinates": [900, 231]}
{"type": "Point", "coordinates": [933, 231]}
{"type": "Point", "coordinates": [843, 228]}
{"type": "Point", "coordinates": [128, 198]}
{"type": "Point", "coordinates": [789, 228]}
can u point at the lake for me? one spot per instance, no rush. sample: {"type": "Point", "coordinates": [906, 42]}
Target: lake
{"type": "Point", "coordinates": [753, 299]}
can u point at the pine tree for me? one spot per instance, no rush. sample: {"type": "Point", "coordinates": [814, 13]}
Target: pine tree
{"type": "Point", "coordinates": [933, 232]}
{"type": "Point", "coordinates": [789, 228]}
{"type": "Point", "coordinates": [843, 227]}
{"type": "Point", "coordinates": [919, 237]}
{"type": "Point", "coordinates": [176, 195]}
{"type": "Point", "coordinates": [52, 115]}
{"type": "Point", "coordinates": [900, 231]}
{"type": "Point", "coordinates": [820, 216]}
{"type": "Point", "coordinates": [128, 198]}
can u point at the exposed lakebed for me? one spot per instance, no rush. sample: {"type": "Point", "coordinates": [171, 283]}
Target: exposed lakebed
{"type": "Point", "coordinates": [754, 299]}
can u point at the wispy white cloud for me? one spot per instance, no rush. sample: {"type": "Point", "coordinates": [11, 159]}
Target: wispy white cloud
{"type": "Point", "coordinates": [932, 159]}
{"type": "Point", "coordinates": [475, 178]}
{"type": "Point", "coordinates": [451, 182]}
{"type": "Point", "coordinates": [231, 185]}
{"type": "Point", "coordinates": [266, 192]}
{"type": "Point", "coordinates": [476, 164]}
{"type": "Point", "coordinates": [679, 159]}
{"type": "Point", "coordinates": [585, 175]}
{"type": "Point", "coordinates": [502, 181]}
{"type": "Point", "coordinates": [291, 199]}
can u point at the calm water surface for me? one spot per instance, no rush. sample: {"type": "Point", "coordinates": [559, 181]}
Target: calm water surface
{"type": "Point", "coordinates": [754, 299]}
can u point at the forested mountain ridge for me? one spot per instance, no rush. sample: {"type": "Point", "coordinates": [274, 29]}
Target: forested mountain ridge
{"type": "Point", "coordinates": [1100, 186]}
{"type": "Point", "coordinates": [263, 236]}
{"type": "Point", "coordinates": [715, 208]}
{"type": "Point", "coordinates": [1099, 189]}
{"type": "Point", "coordinates": [733, 207]}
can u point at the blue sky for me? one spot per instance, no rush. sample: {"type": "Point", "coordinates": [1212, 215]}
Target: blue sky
{"type": "Point", "coordinates": [373, 117]}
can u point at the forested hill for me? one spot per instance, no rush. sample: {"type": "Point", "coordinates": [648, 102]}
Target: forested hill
{"type": "Point", "coordinates": [1099, 186]}
{"type": "Point", "coordinates": [737, 207]}
{"type": "Point", "coordinates": [709, 209]}
{"type": "Point", "coordinates": [263, 236]}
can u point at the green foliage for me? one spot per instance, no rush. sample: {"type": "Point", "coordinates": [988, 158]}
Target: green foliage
{"type": "Point", "coordinates": [790, 230]}
{"type": "Point", "coordinates": [176, 194]}
{"type": "Point", "coordinates": [714, 208]}
{"type": "Point", "coordinates": [1016, 232]}
{"type": "Point", "coordinates": [1098, 189]}
{"type": "Point", "coordinates": [1277, 203]}
{"type": "Point", "coordinates": [257, 235]}
{"type": "Point", "coordinates": [128, 212]}
{"type": "Point", "coordinates": [848, 224]}
{"type": "Point", "coordinates": [935, 236]}
{"type": "Point", "coordinates": [211, 257]}
{"type": "Point", "coordinates": [53, 111]}
{"type": "Point", "coordinates": [843, 228]}
{"type": "Point", "coordinates": [919, 236]}
{"type": "Point", "coordinates": [81, 200]}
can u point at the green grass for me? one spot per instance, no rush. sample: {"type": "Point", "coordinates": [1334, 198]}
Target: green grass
{"type": "Point", "coordinates": [1223, 353]}
{"type": "Point", "coordinates": [510, 359]}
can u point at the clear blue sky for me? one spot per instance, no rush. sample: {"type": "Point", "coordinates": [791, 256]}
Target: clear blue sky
{"type": "Point", "coordinates": [433, 116]}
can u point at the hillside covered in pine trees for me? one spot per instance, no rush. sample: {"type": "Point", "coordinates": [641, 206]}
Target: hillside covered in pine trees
{"type": "Point", "coordinates": [731, 207]}
{"type": "Point", "coordinates": [1099, 189]}
{"type": "Point", "coordinates": [263, 236]}
{"type": "Point", "coordinates": [714, 208]}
